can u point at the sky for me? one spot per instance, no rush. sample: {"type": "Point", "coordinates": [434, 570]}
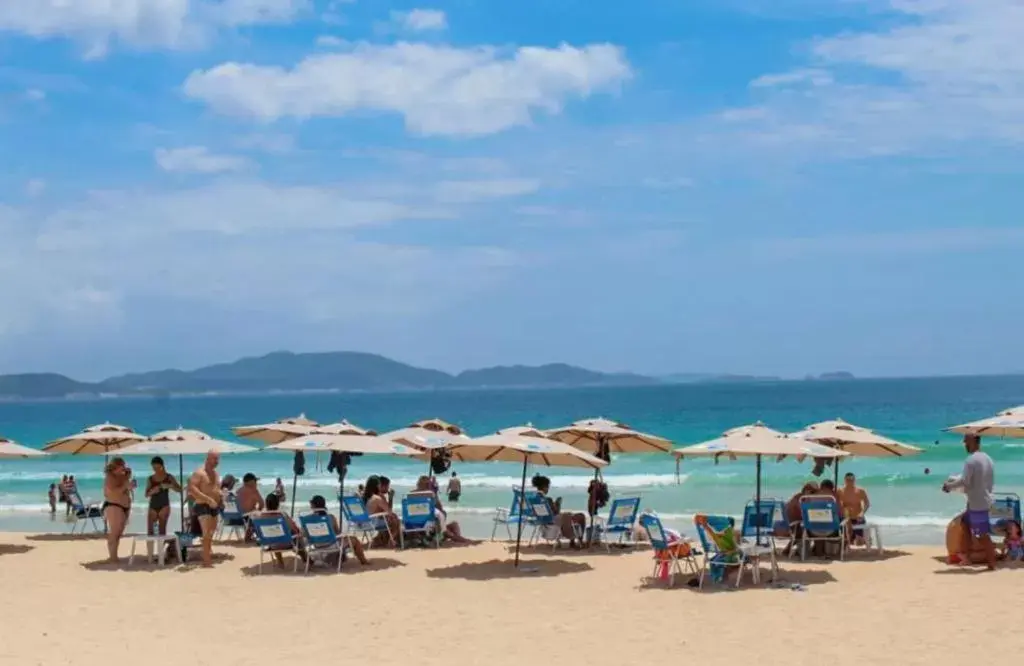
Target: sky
{"type": "Point", "coordinates": [749, 186]}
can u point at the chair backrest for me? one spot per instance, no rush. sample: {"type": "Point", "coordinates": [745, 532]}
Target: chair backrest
{"type": "Point", "coordinates": [417, 511]}
{"type": "Point", "coordinates": [760, 517]}
{"type": "Point", "coordinates": [709, 539]}
{"type": "Point", "coordinates": [540, 510]}
{"type": "Point", "coordinates": [655, 531]}
{"type": "Point", "coordinates": [75, 500]}
{"type": "Point", "coordinates": [820, 514]}
{"type": "Point", "coordinates": [354, 510]}
{"type": "Point", "coordinates": [318, 529]}
{"type": "Point", "coordinates": [231, 510]}
{"type": "Point", "coordinates": [272, 531]}
{"type": "Point", "coordinates": [623, 512]}
{"type": "Point", "coordinates": [1005, 507]}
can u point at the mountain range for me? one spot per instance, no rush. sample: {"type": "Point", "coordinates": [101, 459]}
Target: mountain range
{"type": "Point", "coordinates": [287, 371]}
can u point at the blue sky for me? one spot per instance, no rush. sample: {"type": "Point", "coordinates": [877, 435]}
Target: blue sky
{"type": "Point", "coordinates": [741, 186]}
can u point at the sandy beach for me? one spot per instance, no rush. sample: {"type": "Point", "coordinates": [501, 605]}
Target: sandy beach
{"type": "Point", "coordinates": [467, 605]}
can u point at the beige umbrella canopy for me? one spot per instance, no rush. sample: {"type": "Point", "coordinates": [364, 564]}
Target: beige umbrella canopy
{"type": "Point", "coordinates": [429, 435]}
{"type": "Point", "coordinates": [526, 445]}
{"type": "Point", "coordinates": [1008, 423]}
{"type": "Point", "coordinates": [342, 427]}
{"type": "Point", "coordinates": [855, 440]}
{"type": "Point", "coordinates": [182, 442]}
{"type": "Point", "coordinates": [278, 431]}
{"type": "Point", "coordinates": [591, 434]}
{"type": "Point", "coordinates": [95, 440]}
{"type": "Point", "coordinates": [347, 443]}
{"type": "Point", "coordinates": [755, 441]}
{"type": "Point", "coordinates": [9, 449]}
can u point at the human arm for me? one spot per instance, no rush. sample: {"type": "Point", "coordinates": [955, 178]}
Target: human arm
{"type": "Point", "coordinates": [959, 482]}
{"type": "Point", "coordinates": [865, 501]}
{"type": "Point", "coordinates": [152, 488]}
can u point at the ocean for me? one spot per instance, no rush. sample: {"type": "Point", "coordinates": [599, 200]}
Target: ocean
{"type": "Point", "coordinates": [905, 493]}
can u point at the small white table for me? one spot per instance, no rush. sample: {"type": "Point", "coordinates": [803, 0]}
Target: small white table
{"type": "Point", "coordinates": [158, 540]}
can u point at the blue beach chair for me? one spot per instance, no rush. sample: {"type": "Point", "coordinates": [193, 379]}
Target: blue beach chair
{"type": "Point", "coordinates": [1005, 507]}
{"type": "Point", "coordinates": [320, 538]}
{"type": "Point", "coordinates": [232, 520]}
{"type": "Point", "coordinates": [545, 523]}
{"type": "Point", "coordinates": [418, 518]}
{"type": "Point", "coordinates": [767, 519]}
{"type": "Point", "coordinates": [621, 521]}
{"type": "Point", "coordinates": [668, 553]}
{"type": "Point", "coordinates": [85, 512]}
{"type": "Point", "coordinates": [822, 521]}
{"type": "Point", "coordinates": [520, 511]}
{"type": "Point", "coordinates": [717, 556]}
{"type": "Point", "coordinates": [361, 523]}
{"type": "Point", "coordinates": [274, 535]}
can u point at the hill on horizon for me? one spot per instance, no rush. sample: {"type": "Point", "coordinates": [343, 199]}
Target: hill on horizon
{"type": "Point", "coordinates": [288, 371]}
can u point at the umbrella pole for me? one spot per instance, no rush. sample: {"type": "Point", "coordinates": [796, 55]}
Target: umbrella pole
{"type": "Point", "coordinates": [519, 523]}
{"type": "Point", "coordinates": [341, 502]}
{"type": "Point", "coordinates": [181, 498]}
{"type": "Point", "coordinates": [757, 505]}
{"type": "Point", "coordinates": [835, 466]}
{"type": "Point", "coordinates": [295, 484]}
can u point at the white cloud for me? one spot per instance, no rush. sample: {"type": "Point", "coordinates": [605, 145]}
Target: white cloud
{"type": "Point", "coordinates": [197, 159]}
{"type": "Point", "coordinates": [937, 71]}
{"type": "Point", "coordinates": [420, 20]}
{"type": "Point", "coordinates": [35, 188]}
{"type": "Point", "coordinates": [437, 89]}
{"type": "Point", "coordinates": [35, 95]}
{"type": "Point", "coordinates": [329, 41]}
{"type": "Point", "coordinates": [139, 23]}
{"type": "Point", "coordinates": [464, 191]}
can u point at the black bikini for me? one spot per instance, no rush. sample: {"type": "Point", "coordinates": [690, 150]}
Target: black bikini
{"type": "Point", "coordinates": [161, 499]}
{"type": "Point", "coordinates": [127, 509]}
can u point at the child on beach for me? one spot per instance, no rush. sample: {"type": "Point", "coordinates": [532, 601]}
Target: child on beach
{"type": "Point", "coordinates": [1013, 544]}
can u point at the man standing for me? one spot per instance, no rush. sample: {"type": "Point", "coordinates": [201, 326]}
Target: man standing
{"type": "Point", "coordinates": [977, 482]}
{"type": "Point", "coordinates": [855, 504]}
{"type": "Point", "coordinates": [204, 490]}
{"type": "Point", "coordinates": [454, 488]}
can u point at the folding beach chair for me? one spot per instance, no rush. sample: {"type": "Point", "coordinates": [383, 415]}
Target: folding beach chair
{"type": "Point", "coordinates": [361, 523]}
{"type": "Point", "coordinates": [766, 519]}
{"type": "Point", "coordinates": [1005, 507]}
{"type": "Point", "coordinates": [320, 538]}
{"type": "Point", "coordinates": [85, 512]}
{"type": "Point", "coordinates": [274, 535]}
{"type": "Point", "coordinates": [545, 522]}
{"type": "Point", "coordinates": [822, 521]}
{"type": "Point", "coordinates": [722, 549]}
{"type": "Point", "coordinates": [519, 512]}
{"type": "Point", "coordinates": [232, 520]}
{"type": "Point", "coordinates": [418, 518]}
{"type": "Point", "coordinates": [669, 556]}
{"type": "Point", "coordinates": [621, 521]}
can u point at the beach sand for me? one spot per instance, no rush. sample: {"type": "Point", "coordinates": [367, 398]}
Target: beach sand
{"type": "Point", "coordinates": [467, 605]}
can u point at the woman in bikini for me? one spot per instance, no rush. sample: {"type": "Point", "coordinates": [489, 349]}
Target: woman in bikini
{"type": "Point", "coordinates": [117, 503]}
{"type": "Point", "coordinates": [158, 488]}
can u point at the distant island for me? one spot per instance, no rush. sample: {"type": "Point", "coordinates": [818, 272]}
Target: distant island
{"type": "Point", "coordinates": [838, 376]}
{"type": "Point", "coordinates": [326, 371]}
{"type": "Point", "coordinates": [342, 371]}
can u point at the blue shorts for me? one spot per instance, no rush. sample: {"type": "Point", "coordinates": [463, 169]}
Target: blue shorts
{"type": "Point", "coordinates": [978, 522]}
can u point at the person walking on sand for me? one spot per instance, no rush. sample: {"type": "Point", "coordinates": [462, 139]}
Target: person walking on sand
{"type": "Point", "coordinates": [117, 503]}
{"type": "Point", "coordinates": [454, 490]}
{"type": "Point", "coordinates": [204, 490]}
{"type": "Point", "coordinates": [977, 481]}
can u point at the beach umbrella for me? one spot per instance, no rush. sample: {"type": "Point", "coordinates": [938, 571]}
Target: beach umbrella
{"type": "Point", "coordinates": [181, 442]}
{"type": "Point", "coordinates": [1008, 423]}
{"type": "Point", "coordinates": [758, 441]}
{"type": "Point", "coordinates": [278, 431]}
{"type": "Point", "coordinates": [348, 443]}
{"type": "Point", "coordinates": [526, 445]}
{"type": "Point", "coordinates": [95, 440]}
{"type": "Point", "coordinates": [342, 427]}
{"type": "Point", "coordinates": [9, 449]}
{"type": "Point", "coordinates": [430, 437]}
{"type": "Point", "coordinates": [855, 440]}
{"type": "Point", "coordinates": [602, 437]}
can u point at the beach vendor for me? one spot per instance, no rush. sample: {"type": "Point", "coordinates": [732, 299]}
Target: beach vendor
{"type": "Point", "coordinates": [976, 481]}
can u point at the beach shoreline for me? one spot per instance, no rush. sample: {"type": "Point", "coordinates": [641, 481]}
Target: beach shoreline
{"type": "Point", "coordinates": [469, 604]}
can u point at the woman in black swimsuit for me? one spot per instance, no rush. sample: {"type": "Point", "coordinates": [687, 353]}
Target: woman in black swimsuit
{"type": "Point", "coordinates": [158, 488]}
{"type": "Point", "coordinates": [117, 504]}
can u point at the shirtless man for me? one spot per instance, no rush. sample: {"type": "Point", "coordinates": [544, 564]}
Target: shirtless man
{"type": "Point", "coordinates": [855, 503]}
{"type": "Point", "coordinates": [249, 500]}
{"type": "Point", "coordinates": [204, 490]}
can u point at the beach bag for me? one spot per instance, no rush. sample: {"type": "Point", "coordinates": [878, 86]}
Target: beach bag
{"type": "Point", "coordinates": [299, 464]}
{"type": "Point", "coordinates": [440, 461]}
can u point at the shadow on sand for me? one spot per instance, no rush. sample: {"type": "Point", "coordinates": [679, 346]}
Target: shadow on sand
{"type": "Point", "coordinates": [143, 566]}
{"type": "Point", "coordinates": [797, 580]}
{"type": "Point", "coordinates": [65, 537]}
{"type": "Point", "coordinates": [498, 569]}
{"type": "Point", "coordinates": [547, 550]}
{"type": "Point", "coordinates": [351, 567]}
{"type": "Point", "coordinates": [15, 548]}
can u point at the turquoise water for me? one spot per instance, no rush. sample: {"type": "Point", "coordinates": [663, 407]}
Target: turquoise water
{"type": "Point", "coordinates": [906, 501]}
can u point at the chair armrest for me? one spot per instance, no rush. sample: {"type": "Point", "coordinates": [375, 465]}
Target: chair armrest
{"type": "Point", "coordinates": [501, 512]}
